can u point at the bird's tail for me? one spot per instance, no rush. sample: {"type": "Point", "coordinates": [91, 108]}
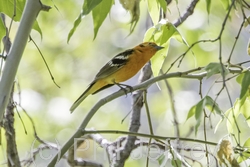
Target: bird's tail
{"type": "Point", "coordinates": [82, 97]}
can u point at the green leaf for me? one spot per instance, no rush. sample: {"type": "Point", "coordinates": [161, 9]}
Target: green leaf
{"type": "Point", "coordinates": [225, 4]}
{"type": "Point", "coordinates": [76, 23]}
{"type": "Point", "coordinates": [154, 10]}
{"type": "Point", "coordinates": [2, 32]}
{"type": "Point", "coordinates": [161, 34]}
{"type": "Point", "coordinates": [197, 110]}
{"type": "Point", "coordinates": [163, 158]}
{"type": "Point", "coordinates": [244, 109]}
{"type": "Point", "coordinates": [248, 47]}
{"type": "Point", "coordinates": [232, 114]}
{"type": "Point", "coordinates": [240, 78]}
{"type": "Point", "coordinates": [245, 154]}
{"type": "Point", "coordinates": [163, 5]}
{"type": "Point", "coordinates": [158, 59]}
{"type": "Point", "coordinates": [7, 7]}
{"type": "Point", "coordinates": [247, 144]}
{"type": "Point", "coordinates": [215, 68]}
{"type": "Point", "coordinates": [87, 7]}
{"type": "Point", "coordinates": [208, 2]}
{"type": "Point", "coordinates": [199, 113]}
{"type": "Point", "coordinates": [176, 162]}
{"type": "Point", "coordinates": [247, 21]}
{"type": "Point", "coordinates": [99, 14]}
{"type": "Point", "coordinates": [37, 28]}
{"type": "Point", "coordinates": [168, 31]}
{"type": "Point", "coordinates": [245, 84]}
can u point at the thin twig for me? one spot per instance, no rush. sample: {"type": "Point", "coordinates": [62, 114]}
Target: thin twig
{"type": "Point", "coordinates": [189, 12]}
{"type": "Point", "coordinates": [142, 86]}
{"type": "Point", "coordinates": [204, 123]}
{"type": "Point", "coordinates": [46, 64]}
{"type": "Point", "coordinates": [149, 123]}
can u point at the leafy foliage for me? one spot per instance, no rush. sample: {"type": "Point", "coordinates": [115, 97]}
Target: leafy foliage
{"type": "Point", "coordinates": [6, 7]}
{"type": "Point", "coordinates": [198, 110]}
{"type": "Point", "coordinates": [215, 68]}
{"type": "Point", "coordinates": [87, 7]}
{"type": "Point", "coordinates": [2, 31]}
{"type": "Point", "coordinates": [161, 34]}
{"type": "Point", "coordinates": [99, 13]}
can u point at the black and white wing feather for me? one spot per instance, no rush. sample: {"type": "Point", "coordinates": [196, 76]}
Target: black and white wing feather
{"type": "Point", "coordinates": [114, 64]}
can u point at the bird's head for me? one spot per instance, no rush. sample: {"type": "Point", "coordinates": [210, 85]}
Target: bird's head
{"type": "Point", "coordinates": [149, 46]}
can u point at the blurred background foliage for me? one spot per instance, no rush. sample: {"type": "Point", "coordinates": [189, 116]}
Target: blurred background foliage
{"type": "Point", "coordinates": [74, 65]}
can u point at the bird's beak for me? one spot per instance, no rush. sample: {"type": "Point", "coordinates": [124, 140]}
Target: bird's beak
{"type": "Point", "coordinates": [158, 47]}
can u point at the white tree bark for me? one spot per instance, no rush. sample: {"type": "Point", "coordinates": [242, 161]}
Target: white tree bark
{"type": "Point", "coordinates": [31, 10]}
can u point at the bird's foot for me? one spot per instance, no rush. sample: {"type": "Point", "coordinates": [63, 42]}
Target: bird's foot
{"type": "Point", "coordinates": [124, 88]}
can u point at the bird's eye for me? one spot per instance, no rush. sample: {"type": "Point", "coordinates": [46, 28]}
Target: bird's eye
{"type": "Point", "coordinates": [151, 44]}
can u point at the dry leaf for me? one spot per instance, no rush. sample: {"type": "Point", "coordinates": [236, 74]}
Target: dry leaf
{"type": "Point", "coordinates": [225, 154]}
{"type": "Point", "coordinates": [133, 6]}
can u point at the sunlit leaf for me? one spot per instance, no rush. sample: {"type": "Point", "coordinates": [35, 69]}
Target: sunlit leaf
{"type": "Point", "coordinates": [247, 21]}
{"type": "Point", "coordinates": [158, 59]}
{"type": "Point", "coordinates": [248, 47]}
{"type": "Point", "coordinates": [163, 5]}
{"type": "Point", "coordinates": [6, 7]}
{"type": "Point", "coordinates": [37, 28]}
{"type": "Point", "coordinates": [245, 84]}
{"type": "Point", "coordinates": [154, 10]}
{"type": "Point", "coordinates": [245, 155]}
{"type": "Point", "coordinates": [247, 145]}
{"type": "Point", "coordinates": [87, 7]}
{"type": "Point", "coordinates": [233, 114]}
{"type": "Point", "coordinates": [197, 110]}
{"type": "Point", "coordinates": [240, 78]}
{"type": "Point", "coordinates": [215, 68]}
{"type": "Point", "coordinates": [225, 4]}
{"type": "Point", "coordinates": [168, 31]}
{"type": "Point", "coordinates": [161, 34]}
{"type": "Point", "coordinates": [208, 5]}
{"type": "Point", "coordinates": [99, 14]}
{"type": "Point", "coordinates": [2, 32]}
{"type": "Point", "coordinates": [244, 109]}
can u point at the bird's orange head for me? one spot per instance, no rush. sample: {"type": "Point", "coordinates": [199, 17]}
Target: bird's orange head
{"type": "Point", "coordinates": [148, 47]}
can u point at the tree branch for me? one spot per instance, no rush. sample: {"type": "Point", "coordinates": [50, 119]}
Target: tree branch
{"type": "Point", "coordinates": [137, 104]}
{"type": "Point", "coordinates": [31, 10]}
{"type": "Point", "coordinates": [187, 74]}
{"type": "Point", "coordinates": [189, 12]}
{"type": "Point", "coordinates": [10, 134]}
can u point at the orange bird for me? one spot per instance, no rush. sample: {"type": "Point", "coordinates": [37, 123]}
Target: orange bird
{"type": "Point", "coordinates": [119, 69]}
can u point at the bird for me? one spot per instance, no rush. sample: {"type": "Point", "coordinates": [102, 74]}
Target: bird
{"type": "Point", "coordinates": [119, 69]}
